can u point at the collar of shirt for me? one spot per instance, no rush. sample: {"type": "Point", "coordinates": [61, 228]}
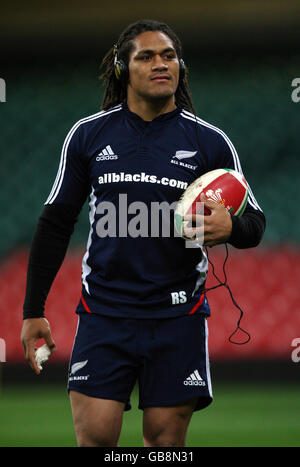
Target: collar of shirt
{"type": "Point", "coordinates": [161, 118]}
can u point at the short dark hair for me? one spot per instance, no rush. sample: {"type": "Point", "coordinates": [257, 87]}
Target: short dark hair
{"type": "Point", "coordinates": [115, 91]}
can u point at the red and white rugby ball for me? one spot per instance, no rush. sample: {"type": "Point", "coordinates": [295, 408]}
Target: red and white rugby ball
{"type": "Point", "coordinates": [223, 186]}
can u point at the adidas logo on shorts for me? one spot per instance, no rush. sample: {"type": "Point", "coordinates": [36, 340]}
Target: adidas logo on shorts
{"type": "Point", "coordinates": [194, 380]}
{"type": "Point", "coordinates": [106, 154]}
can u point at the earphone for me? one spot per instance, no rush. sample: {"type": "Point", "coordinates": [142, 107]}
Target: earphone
{"type": "Point", "coordinates": [122, 72]}
{"type": "Point", "coordinates": [120, 67]}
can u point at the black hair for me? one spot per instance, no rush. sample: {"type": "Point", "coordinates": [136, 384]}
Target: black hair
{"type": "Point", "coordinates": [115, 91]}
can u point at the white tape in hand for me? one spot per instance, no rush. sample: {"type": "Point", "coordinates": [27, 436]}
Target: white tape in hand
{"type": "Point", "coordinates": [41, 355]}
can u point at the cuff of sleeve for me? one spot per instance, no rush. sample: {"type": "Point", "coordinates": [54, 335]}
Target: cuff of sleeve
{"type": "Point", "coordinates": [236, 224]}
{"type": "Point", "coordinates": [33, 314]}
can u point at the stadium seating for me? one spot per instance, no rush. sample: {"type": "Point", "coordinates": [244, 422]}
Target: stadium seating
{"type": "Point", "coordinates": [264, 283]}
{"type": "Point", "coordinates": [250, 100]}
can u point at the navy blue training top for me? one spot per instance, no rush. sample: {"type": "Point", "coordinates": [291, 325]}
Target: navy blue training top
{"type": "Point", "coordinates": [133, 171]}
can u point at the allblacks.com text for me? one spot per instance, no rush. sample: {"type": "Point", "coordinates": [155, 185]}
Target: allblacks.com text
{"type": "Point", "coordinates": [140, 178]}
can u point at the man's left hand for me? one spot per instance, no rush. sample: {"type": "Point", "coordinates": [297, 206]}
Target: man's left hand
{"type": "Point", "coordinates": [217, 226]}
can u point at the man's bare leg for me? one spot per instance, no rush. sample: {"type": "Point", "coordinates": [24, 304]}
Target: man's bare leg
{"type": "Point", "coordinates": [97, 422]}
{"type": "Point", "coordinates": [167, 426]}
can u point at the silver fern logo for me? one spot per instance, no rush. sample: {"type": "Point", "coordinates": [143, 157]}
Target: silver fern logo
{"type": "Point", "coordinates": [184, 154]}
{"type": "Point", "coordinates": [77, 366]}
{"type": "Point", "coordinates": [180, 159]}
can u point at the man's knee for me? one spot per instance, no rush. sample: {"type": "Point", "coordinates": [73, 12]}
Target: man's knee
{"type": "Point", "coordinates": [97, 422]}
{"type": "Point", "coordinates": [164, 440]}
{"type": "Point", "coordinates": [167, 426]}
{"type": "Point", "coordinates": [156, 435]}
{"type": "Point", "coordinates": [102, 434]}
{"type": "Point", "coordinates": [99, 439]}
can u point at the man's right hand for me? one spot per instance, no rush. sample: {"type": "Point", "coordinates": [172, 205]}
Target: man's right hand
{"type": "Point", "coordinates": [32, 330]}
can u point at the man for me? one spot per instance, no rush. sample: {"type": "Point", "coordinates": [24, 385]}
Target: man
{"type": "Point", "coordinates": [142, 313]}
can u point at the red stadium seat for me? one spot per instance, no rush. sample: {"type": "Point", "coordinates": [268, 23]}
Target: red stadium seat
{"type": "Point", "coordinates": [264, 282]}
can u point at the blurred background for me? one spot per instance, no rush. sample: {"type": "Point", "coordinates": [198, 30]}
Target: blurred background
{"type": "Point", "coordinates": [242, 57]}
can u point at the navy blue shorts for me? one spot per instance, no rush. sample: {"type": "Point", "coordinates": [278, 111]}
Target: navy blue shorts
{"type": "Point", "coordinates": [167, 357]}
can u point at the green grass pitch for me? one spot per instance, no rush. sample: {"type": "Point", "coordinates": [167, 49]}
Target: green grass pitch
{"type": "Point", "coordinates": [241, 415]}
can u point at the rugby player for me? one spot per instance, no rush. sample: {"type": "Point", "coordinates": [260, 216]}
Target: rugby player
{"type": "Point", "coordinates": [142, 315]}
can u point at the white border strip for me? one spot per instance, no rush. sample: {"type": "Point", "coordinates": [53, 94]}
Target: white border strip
{"type": "Point", "coordinates": [236, 160]}
{"type": "Point", "coordinates": [62, 165]}
{"type": "Point", "coordinates": [207, 360]}
{"type": "Point", "coordinates": [76, 332]}
{"type": "Point", "coordinates": [85, 267]}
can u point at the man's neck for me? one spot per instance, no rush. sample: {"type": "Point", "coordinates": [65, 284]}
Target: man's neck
{"type": "Point", "coordinates": [148, 110]}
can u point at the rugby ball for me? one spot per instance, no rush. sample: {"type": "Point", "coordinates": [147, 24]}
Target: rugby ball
{"type": "Point", "coordinates": [222, 186]}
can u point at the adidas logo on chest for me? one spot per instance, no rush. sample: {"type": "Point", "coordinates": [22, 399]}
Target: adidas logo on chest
{"type": "Point", "coordinates": [106, 154]}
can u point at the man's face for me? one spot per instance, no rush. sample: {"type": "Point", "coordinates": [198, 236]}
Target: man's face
{"type": "Point", "coordinates": [153, 67]}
